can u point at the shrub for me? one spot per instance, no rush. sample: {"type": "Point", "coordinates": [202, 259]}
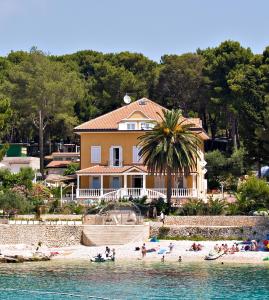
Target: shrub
{"type": "Point", "coordinates": [253, 194]}
{"type": "Point", "coordinates": [193, 207]}
{"type": "Point", "coordinates": [12, 201]}
{"type": "Point", "coordinates": [71, 169]}
{"type": "Point", "coordinates": [232, 209]}
{"type": "Point", "coordinates": [24, 177]}
{"type": "Point", "coordinates": [216, 206]}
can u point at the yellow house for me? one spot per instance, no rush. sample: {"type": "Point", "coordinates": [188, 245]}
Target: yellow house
{"type": "Point", "coordinates": [110, 164]}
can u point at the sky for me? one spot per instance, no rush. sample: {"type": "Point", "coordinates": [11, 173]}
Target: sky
{"type": "Point", "coordinates": [151, 27]}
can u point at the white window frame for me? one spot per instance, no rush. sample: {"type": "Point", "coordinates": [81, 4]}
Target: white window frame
{"type": "Point", "coordinates": [146, 126]}
{"type": "Point", "coordinates": [98, 159]}
{"type": "Point", "coordinates": [111, 156]}
{"type": "Point", "coordinates": [136, 157]}
{"type": "Point", "coordinates": [133, 124]}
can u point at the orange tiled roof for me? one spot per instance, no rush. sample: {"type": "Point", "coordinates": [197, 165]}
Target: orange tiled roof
{"type": "Point", "coordinates": [111, 170]}
{"type": "Point", "coordinates": [110, 120]}
{"type": "Point", "coordinates": [58, 164]}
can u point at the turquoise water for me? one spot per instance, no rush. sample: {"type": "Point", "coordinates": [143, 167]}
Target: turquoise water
{"type": "Point", "coordinates": [140, 280]}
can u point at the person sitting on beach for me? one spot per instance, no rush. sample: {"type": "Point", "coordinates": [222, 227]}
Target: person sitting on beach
{"type": "Point", "coordinates": [179, 259]}
{"type": "Point", "coordinates": [193, 247]}
{"type": "Point", "coordinates": [143, 250]}
{"type": "Point", "coordinates": [107, 252]}
{"type": "Point", "coordinates": [254, 245]}
{"type": "Point", "coordinates": [199, 247]}
{"type": "Point", "coordinates": [233, 249]}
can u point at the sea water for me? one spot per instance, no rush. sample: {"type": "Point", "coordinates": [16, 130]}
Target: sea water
{"type": "Point", "coordinates": [137, 280]}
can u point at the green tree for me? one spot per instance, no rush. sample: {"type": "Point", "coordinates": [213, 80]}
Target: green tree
{"type": "Point", "coordinates": [181, 83]}
{"type": "Point", "coordinates": [71, 169]}
{"type": "Point", "coordinates": [43, 93]}
{"type": "Point", "coordinates": [219, 63]}
{"type": "Point", "coordinates": [10, 201]}
{"type": "Point", "coordinates": [253, 194]}
{"type": "Point", "coordinates": [170, 148]}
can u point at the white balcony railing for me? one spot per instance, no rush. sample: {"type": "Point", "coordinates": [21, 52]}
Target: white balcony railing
{"type": "Point", "coordinates": [114, 194]}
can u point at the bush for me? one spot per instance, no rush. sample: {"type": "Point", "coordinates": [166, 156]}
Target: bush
{"type": "Point", "coordinates": [193, 207]}
{"type": "Point", "coordinates": [24, 177]}
{"type": "Point", "coordinates": [71, 169]}
{"type": "Point", "coordinates": [12, 201]}
{"type": "Point", "coordinates": [253, 194]}
{"type": "Point", "coordinates": [216, 206]}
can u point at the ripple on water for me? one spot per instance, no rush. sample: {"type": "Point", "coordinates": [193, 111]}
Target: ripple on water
{"type": "Point", "coordinates": [141, 280]}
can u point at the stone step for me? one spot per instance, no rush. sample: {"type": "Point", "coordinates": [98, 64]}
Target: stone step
{"type": "Point", "coordinates": [100, 235]}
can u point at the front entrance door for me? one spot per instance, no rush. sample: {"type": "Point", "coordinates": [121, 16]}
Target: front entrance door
{"type": "Point", "coordinates": [137, 181]}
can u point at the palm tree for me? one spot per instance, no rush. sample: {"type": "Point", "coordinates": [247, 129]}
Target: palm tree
{"type": "Point", "coordinates": [170, 148]}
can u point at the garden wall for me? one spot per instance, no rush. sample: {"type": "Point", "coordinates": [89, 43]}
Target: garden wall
{"type": "Point", "coordinates": [50, 217]}
{"type": "Point", "coordinates": [209, 232]}
{"type": "Point", "coordinates": [50, 235]}
{"type": "Point", "coordinates": [212, 227]}
{"type": "Point", "coordinates": [217, 220]}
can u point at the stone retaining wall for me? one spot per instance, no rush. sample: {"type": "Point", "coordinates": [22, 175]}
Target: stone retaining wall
{"type": "Point", "coordinates": [217, 220]}
{"type": "Point", "coordinates": [50, 217]}
{"type": "Point", "coordinates": [50, 235]}
{"type": "Point", "coordinates": [209, 232]}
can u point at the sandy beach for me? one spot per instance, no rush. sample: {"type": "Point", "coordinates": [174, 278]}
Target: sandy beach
{"type": "Point", "coordinates": [127, 252]}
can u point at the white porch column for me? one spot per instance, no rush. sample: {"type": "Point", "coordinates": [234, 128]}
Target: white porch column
{"type": "Point", "coordinates": [77, 191]}
{"type": "Point", "coordinates": [125, 184]}
{"type": "Point", "coordinates": [194, 185]}
{"type": "Point", "coordinates": [102, 184]}
{"type": "Point", "coordinates": [144, 185]}
{"type": "Point", "coordinates": [72, 191]}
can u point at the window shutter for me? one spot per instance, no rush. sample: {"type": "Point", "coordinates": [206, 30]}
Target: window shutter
{"type": "Point", "coordinates": [120, 152]}
{"type": "Point", "coordinates": [136, 157]}
{"type": "Point", "coordinates": [96, 154]}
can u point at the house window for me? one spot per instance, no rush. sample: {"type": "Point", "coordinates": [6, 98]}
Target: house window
{"type": "Point", "coordinates": [130, 126]}
{"type": "Point", "coordinates": [116, 156]}
{"type": "Point", "coordinates": [96, 154]}
{"type": "Point", "coordinates": [136, 156]}
{"type": "Point", "coordinates": [115, 182]}
{"type": "Point", "coordinates": [96, 184]}
{"type": "Point", "coordinates": [146, 126]}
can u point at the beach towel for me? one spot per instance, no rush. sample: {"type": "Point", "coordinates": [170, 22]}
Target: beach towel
{"type": "Point", "coordinates": [162, 251]}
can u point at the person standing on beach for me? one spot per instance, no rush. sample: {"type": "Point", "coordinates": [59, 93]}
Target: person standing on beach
{"type": "Point", "coordinates": [143, 250]}
{"type": "Point", "coordinates": [162, 217]}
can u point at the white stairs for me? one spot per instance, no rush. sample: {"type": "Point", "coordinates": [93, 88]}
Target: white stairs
{"type": "Point", "coordinates": [101, 235]}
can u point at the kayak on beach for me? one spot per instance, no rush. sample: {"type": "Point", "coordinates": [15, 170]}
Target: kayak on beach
{"type": "Point", "coordinates": [214, 255]}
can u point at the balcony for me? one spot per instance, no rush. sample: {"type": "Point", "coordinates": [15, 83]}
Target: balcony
{"type": "Point", "coordinates": [115, 194]}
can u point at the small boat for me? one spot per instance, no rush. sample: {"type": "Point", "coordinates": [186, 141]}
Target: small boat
{"type": "Point", "coordinates": [99, 258]}
{"type": "Point", "coordinates": [214, 255]}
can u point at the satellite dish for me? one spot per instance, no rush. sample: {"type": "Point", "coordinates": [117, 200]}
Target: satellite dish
{"type": "Point", "coordinates": [127, 99]}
